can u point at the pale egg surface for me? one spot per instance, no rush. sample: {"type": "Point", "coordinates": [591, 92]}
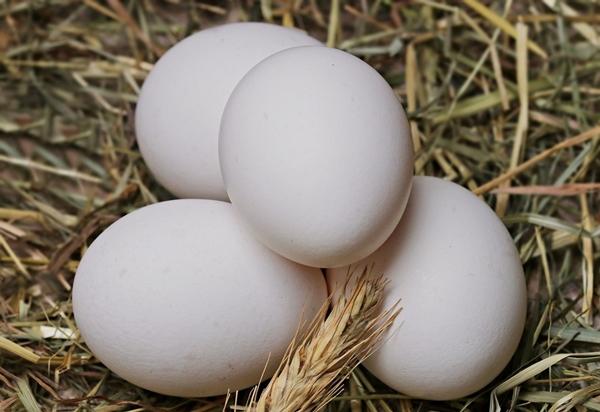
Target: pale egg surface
{"type": "Point", "coordinates": [458, 274]}
{"type": "Point", "coordinates": [316, 155]}
{"type": "Point", "coordinates": [181, 102]}
{"type": "Point", "coordinates": [177, 298]}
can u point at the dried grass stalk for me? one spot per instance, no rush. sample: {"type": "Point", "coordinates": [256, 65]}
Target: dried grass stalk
{"type": "Point", "coordinates": [313, 370]}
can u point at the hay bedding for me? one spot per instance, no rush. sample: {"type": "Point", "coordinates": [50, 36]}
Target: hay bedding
{"type": "Point", "coordinates": [504, 98]}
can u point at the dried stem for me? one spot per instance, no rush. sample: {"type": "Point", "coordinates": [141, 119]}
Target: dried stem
{"type": "Point", "coordinates": [313, 370]}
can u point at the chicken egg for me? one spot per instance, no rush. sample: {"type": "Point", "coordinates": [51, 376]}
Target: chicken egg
{"type": "Point", "coordinates": [177, 298]}
{"type": "Point", "coordinates": [180, 105]}
{"type": "Point", "coordinates": [316, 155]}
{"type": "Point", "coordinates": [461, 286]}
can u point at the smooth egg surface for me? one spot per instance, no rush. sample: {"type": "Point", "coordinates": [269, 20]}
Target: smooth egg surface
{"type": "Point", "coordinates": [316, 155]}
{"type": "Point", "coordinates": [180, 105]}
{"type": "Point", "coordinates": [461, 286]}
{"type": "Point", "coordinates": [179, 299]}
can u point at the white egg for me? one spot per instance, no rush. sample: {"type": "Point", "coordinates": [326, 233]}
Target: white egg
{"type": "Point", "coordinates": [316, 155]}
{"type": "Point", "coordinates": [458, 274]}
{"type": "Point", "coordinates": [181, 102]}
{"type": "Point", "coordinates": [177, 298]}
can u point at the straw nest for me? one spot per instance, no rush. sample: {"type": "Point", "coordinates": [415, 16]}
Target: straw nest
{"type": "Point", "coordinates": [503, 98]}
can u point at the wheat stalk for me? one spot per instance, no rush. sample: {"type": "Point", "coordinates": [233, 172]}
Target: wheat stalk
{"type": "Point", "coordinates": [314, 369]}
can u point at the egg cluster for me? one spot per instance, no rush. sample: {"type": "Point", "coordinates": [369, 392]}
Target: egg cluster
{"type": "Point", "coordinates": [289, 157]}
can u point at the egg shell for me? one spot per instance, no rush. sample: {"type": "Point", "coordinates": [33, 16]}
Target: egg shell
{"type": "Point", "coordinates": [181, 102]}
{"type": "Point", "coordinates": [177, 298]}
{"type": "Point", "coordinates": [458, 274]}
{"type": "Point", "coordinates": [316, 155]}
